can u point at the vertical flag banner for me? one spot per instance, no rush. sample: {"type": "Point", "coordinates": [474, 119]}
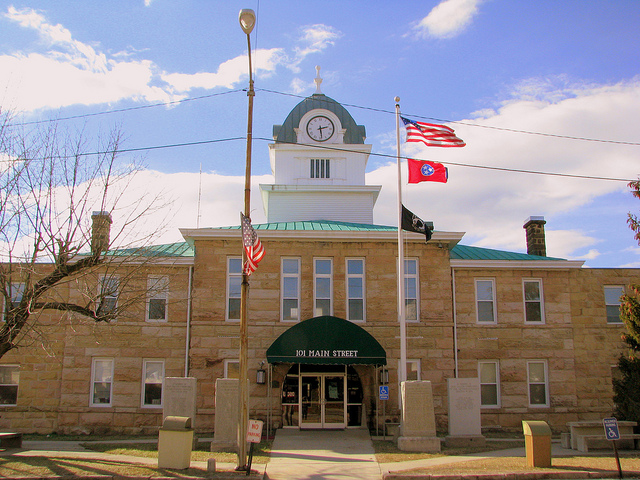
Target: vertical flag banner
{"type": "Point", "coordinates": [252, 245]}
{"type": "Point", "coordinates": [427, 171]}
{"type": "Point", "coordinates": [413, 223]}
{"type": "Point", "coordinates": [431, 135]}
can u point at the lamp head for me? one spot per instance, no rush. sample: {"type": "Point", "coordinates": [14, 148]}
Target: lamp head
{"type": "Point", "coordinates": [247, 19]}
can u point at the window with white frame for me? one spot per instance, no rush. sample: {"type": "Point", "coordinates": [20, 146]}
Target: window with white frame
{"type": "Point", "coordinates": [489, 376]}
{"type": "Point", "coordinates": [9, 379]}
{"type": "Point", "coordinates": [16, 291]}
{"type": "Point", "coordinates": [231, 369]}
{"type": "Point", "coordinates": [411, 297]}
{"type": "Point", "coordinates": [157, 298]}
{"type": "Point", "coordinates": [612, 294]}
{"type": "Point", "coordinates": [322, 286]}
{"type": "Point", "coordinates": [413, 369]}
{"type": "Point", "coordinates": [538, 383]}
{"type": "Point", "coordinates": [533, 301]}
{"type": "Point", "coordinates": [319, 168]}
{"type": "Point", "coordinates": [290, 289]}
{"type": "Point", "coordinates": [485, 300]}
{"type": "Point", "coordinates": [234, 287]}
{"type": "Point", "coordinates": [101, 382]}
{"type": "Point", "coordinates": [153, 378]}
{"type": "Point", "coordinates": [355, 289]}
{"type": "Point", "coordinates": [108, 289]}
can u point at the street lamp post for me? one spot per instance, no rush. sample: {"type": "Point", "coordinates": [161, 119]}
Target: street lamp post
{"type": "Point", "coordinates": [247, 20]}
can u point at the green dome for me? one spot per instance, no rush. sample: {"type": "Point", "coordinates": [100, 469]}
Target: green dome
{"type": "Point", "coordinates": [354, 134]}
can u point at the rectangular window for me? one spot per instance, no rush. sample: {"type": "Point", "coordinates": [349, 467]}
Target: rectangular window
{"type": "Point", "coordinates": [319, 168]}
{"type": "Point", "coordinates": [9, 378]}
{"type": "Point", "coordinates": [322, 286]}
{"type": "Point", "coordinates": [533, 301]}
{"type": "Point", "coordinates": [412, 305]}
{"type": "Point", "coordinates": [489, 375]}
{"type": "Point", "coordinates": [152, 377]}
{"type": "Point", "coordinates": [413, 370]}
{"type": "Point", "coordinates": [108, 289]}
{"type": "Point", "coordinates": [101, 382]}
{"type": "Point", "coordinates": [538, 384]}
{"type": "Point", "coordinates": [16, 291]}
{"type": "Point", "coordinates": [290, 289]}
{"type": "Point", "coordinates": [485, 301]}
{"type": "Point", "coordinates": [231, 369]}
{"type": "Point", "coordinates": [234, 287]}
{"type": "Point", "coordinates": [612, 296]}
{"type": "Point", "coordinates": [157, 298]}
{"type": "Point", "coordinates": [355, 289]}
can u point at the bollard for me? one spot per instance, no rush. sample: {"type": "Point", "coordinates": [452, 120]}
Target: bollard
{"type": "Point", "coordinates": [537, 440]}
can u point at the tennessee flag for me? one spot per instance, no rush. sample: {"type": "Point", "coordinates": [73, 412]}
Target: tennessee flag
{"type": "Point", "coordinates": [426, 171]}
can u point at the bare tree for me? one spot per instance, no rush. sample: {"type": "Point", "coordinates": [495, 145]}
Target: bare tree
{"type": "Point", "coordinates": [59, 194]}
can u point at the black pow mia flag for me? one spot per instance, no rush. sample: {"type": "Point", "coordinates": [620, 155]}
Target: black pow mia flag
{"type": "Point", "coordinates": [413, 223]}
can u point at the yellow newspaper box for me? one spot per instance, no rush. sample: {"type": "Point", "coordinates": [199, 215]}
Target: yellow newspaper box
{"type": "Point", "coordinates": [175, 443]}
{"type": "Point", "coordinates": [537, 441]}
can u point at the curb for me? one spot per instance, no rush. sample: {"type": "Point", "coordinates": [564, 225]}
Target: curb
{"type": "Point", "coordinates": [514, 476]}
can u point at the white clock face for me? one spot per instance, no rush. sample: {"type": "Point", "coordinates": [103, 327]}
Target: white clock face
{"type": "Point", "coordinates": [320, 128]}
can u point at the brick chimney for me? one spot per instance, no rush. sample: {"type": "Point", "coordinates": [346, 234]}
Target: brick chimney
{"type": "Point", "coordinates": [100, 232]}
{"type": "Point", "coordinates": [536, 244]}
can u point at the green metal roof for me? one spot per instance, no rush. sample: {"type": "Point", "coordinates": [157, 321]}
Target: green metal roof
{"type": "Point", "coordinates": [285, 133]}
{"type": "Point", "coordinates": [465, 252]}
{"type": "Point", "coordinates": [316, 225]}
{"type": "Point", "coordinates": [178, 249]}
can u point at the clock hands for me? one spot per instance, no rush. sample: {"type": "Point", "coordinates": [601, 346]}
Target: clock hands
{"type": "Point", "coordinates": [320, 129]}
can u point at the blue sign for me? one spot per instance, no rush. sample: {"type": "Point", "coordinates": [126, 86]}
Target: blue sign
{"type": "Point", "coordinates": [384, 392]}
{"type": "Point", "coordinates": [611, 429]}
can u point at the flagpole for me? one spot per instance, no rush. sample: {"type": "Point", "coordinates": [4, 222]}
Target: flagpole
{"type": "Point", "coordinates": [402, 368]}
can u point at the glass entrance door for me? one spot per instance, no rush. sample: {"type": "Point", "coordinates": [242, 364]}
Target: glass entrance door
{"type": "Point", "coordinates": [322, 401]}
{"type": "Point", "coordinates": [334, 406]}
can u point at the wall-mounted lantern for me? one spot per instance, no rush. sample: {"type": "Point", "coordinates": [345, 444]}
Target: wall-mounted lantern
{"type": "Point", "coordinates": [261, 375]}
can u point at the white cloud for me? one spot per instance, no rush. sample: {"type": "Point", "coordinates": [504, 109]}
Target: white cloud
{"type": "Point", "coordinates": [229, 73]}
{"type": "Point", "coordinates": [491, 205]}
{"type": "Point", "coordinates": [313, 39]}
{"type": "Point", "coordinates": [72, 72]}
{"type": "Point", "coordinates": [447, 19]}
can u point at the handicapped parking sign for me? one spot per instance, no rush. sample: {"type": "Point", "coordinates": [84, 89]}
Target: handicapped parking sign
{"type": "Point", "coordinates": [611, 430]}
{"type": "Point", "coordinates": [384, 392]}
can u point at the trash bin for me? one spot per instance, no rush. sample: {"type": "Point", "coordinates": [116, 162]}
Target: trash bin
{"type": "Point", "coordinates": [537, 441]}
{"type": "Point", "coordinates": [175, 443]}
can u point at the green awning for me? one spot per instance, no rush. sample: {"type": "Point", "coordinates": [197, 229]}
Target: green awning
{"type": "Point", "coordinates": [327, 340]}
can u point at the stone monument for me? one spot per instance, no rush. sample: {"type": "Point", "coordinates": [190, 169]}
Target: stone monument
{"type": "Point", "coordinates": [418, 428]}
{"type": "Point", "coordinates": [465, 427]}
{"type": "Point", "coordinates": [179, 398]}
{"type": "Point", "coordinates": [225, 434]}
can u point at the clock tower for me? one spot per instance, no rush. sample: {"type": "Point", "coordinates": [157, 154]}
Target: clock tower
{"type": "Point", "coordinates": [318, 159]}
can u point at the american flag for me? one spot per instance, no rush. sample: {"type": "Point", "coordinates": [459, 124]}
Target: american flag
{"type": "Point", "coordinates": [431, 135]}
{"type": "Point", "coordinates": [252, 245]}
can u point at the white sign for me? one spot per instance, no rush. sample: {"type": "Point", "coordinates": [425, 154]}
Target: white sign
{"type": "Point", "coordinates": [254, 431]}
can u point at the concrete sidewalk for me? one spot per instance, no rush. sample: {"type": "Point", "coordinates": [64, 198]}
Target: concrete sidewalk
{"type": "Point", "coordinates": [295, 455]}
{"type": "Point", "coordinates": [323, 455]}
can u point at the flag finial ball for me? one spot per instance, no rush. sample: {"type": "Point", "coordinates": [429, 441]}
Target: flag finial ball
{"type": "Point", "coordinates": [397, 99]}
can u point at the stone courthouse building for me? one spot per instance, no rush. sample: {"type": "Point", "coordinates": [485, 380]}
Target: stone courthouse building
{"type": "Point", "coordinates": [541, 333]}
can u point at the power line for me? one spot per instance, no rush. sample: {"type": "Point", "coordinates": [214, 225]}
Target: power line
{"type": "Point", "coordinates": [468, 124]}
{"type": "Point", "coordinates": [351, 105]}
{"type": "Point", "coordinates": [128, 109]}
{"type": "Point", "coordinates": [326, 147]}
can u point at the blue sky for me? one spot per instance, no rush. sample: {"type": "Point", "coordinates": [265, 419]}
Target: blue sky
{"type": "Point", "coordinates": [564, 69]}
